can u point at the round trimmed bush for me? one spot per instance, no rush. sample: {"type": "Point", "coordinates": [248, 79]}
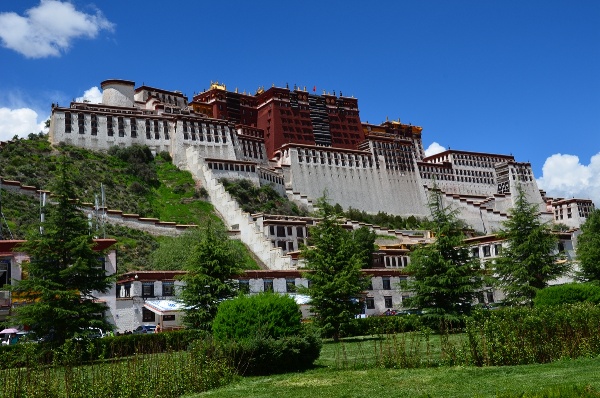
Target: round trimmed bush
{"type": "Point", "coordinates": [569, 293]}
{"type": "Point", "coordinates": [266, 315]}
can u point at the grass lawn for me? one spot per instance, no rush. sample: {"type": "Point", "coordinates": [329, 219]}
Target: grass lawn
{"type": "Point", "coordinates": [349, 369]}
{"type": "Point", "coordinates": [432, 382]}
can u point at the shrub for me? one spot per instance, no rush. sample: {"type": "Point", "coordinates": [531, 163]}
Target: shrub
{"type": "Point", "coordinates": [165, 155]}
{"type": "Point", "coordinates": [516, 336]}
{"type": "Point", "coordinates": [265, 355]}
{"type": "Point", "coordinates": [266, 315]}
{"type": "Point", "coordinates": [567, 294]}
{"type": "Point", "coordinates": [80, 351]}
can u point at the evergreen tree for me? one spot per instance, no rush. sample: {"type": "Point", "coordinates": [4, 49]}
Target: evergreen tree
{"type": "Point", "coordinates": [336, 258]}
{"type": "Point", "coordinates": [588, 248]}
{"type": "Point", "coordinates": [529, 260]}
{"type": "Point", "coordinates": [444, 278]}
{"type": "Point", "coordinates": [211, 266]}
{"type": "Point", "coordinates": [64, 271]}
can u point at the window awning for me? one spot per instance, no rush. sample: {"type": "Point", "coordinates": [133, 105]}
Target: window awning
{"type": "Point", "coordinates": [164, 307]}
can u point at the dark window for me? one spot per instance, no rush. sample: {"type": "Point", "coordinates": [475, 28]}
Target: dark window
{"type": "Point", "coordinates": [244, 286]}
{"type": "Point", "coordinates": [268, 285]}
{"type": "Point", "coordinates": [168, 317]}
{"type": "Point", "coordinates": [370, 303]}
{"type": "Point", "coordinates": [109, 126]}
{"type": "Point", "coordinates": [280, 231]}
{"type": "Point", "coordinates": [133, 124]}
{"type": "Point", "coordinates": [475, 252]}
{"type": "Point", "coordinates": [388, 301]}
{"type": "Point", "coordinates": [148, 289]}
{"type": "Point", "coordinates": [487, 251]}
{"type": "Point", "coordinates": [67, 122]}
{"type": "Point", "coordinates": [81, 122]}
{"type": "Point", "coordinates": [168, 288]}
{"type": "Point", "coordinates": [121, 125]}
{"type": "Point", "coordinates": [290, 285]}
{"type": "Point", "coordinates": [147, 315]}
{"type": "Point", "coordinates": [166, 130]}
{"type": "Point", "coordinates": [386, 283]}
{"type": "Point", "coordinates": [124, 290]}
{"type": "Point", "coordinates": [498, 249]}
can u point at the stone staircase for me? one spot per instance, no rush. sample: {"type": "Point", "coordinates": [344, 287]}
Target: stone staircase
{"type": "Point", "coordinates": [236, 219]}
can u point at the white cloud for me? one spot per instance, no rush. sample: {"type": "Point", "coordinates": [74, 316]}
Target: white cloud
{"type": "Point", "coordinates": [93, 95]}
{"type": "Point", "coordinates": [21, 122]}
{"type": "Point", "coordinates": [434, 149]}
{"type": "Point", "coordinates": [564, 176]}
{"type": "Point", "coordinates": [48, 29]}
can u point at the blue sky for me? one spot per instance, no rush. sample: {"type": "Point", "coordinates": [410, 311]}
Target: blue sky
{"type": "Point", "coordinates": [507, 77]}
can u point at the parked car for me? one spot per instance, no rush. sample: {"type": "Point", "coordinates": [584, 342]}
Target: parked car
{"type": "Point", "coordinates": [90, 333]}
{"type": "Point", "coordinates": [143, 329]}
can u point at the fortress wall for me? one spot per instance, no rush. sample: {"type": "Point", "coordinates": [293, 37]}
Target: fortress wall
{"type": "Point", "coordinates": [361, 187]}
{"type": "Point", "coordinates": [102, 141]}
{"type": "Point", "coordinates": [463, 188]}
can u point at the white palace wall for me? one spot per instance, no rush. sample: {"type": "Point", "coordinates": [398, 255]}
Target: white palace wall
{"type": "Point", "coordinates": [359, 186]}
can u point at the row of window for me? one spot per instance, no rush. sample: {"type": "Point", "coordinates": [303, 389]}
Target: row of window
{"type": "Point", "coordinates": [270, 177]}
{"type": "Point", "coordinates": [232, 167]}
{"type": "Point", "coordinates": [149, 316]}
{"type": "Point", "coordinates": [168, 289]}
{"type": "Point", "coordinates": [252, 149]}
{"type": "Point", "coordinates": [486, 250]}
{"type": "Point", "coordinates": [370, 302]}
{"type": "Point", "coordinates": [336, 158]}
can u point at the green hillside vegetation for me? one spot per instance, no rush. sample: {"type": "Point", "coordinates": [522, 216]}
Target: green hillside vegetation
{"type": "Point", "coordinates": [383, 219]}
{"type": "Point", "coordinates": [134, 181]}
{"type": "Point", "coordinates": [264, 199]}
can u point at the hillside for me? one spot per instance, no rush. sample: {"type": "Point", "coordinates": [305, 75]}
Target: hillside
{"type": "Point", "coordinates": [134, 182]}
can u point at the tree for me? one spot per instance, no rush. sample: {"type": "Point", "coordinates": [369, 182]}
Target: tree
{"type": "Point", "coordinates": [211, 266]}
{"type": "Point", "coordinates": [64, 271]}
{"type": "Point", "coordinates": [444, 278]}
{"type": "Point", "coordinates": [529, 260]}
{"type": "Point", "coordinates": [588, 247]}
{"type": "Point", "coordinates": [336, 258]}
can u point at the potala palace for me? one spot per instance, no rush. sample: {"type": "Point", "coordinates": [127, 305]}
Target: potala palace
{"type": "Point", "coordinates": [305, 144]}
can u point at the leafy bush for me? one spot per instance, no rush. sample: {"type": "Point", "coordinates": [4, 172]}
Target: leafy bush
{"type": "Point", "coordinates": [80, 351]}
{"type": "Point", "coordinates": [266, 355]}
{"type": "Point", "coordinates": [172, 374]}
{"type": "Point", "coordinates": [567, 294]}
{"type": "Point", "coordinates": [267, 315]}
{"type": "Point", "coordinates": [516, 336]}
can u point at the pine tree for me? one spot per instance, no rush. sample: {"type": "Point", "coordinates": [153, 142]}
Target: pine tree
{"type": "Point", "coordinates": [444, 278]}
{"type": "Point", "coordinates": [63, 272]}
{"type": "Point", "coordinates": [588, 248]}
{"type": "Point", "coordinates": [211, 267]}
{"type": "Point", "coordinates": [529, 260]}
{"type": "Point", "coordinates": [336, 257]}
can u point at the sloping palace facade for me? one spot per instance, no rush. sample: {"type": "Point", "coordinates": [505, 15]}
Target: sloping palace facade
{"type": "Point", "coordinates": [305, 144]}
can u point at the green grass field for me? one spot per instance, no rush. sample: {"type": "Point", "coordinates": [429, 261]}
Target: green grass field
{"type": "Point", "coordinates": [349, 369]}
